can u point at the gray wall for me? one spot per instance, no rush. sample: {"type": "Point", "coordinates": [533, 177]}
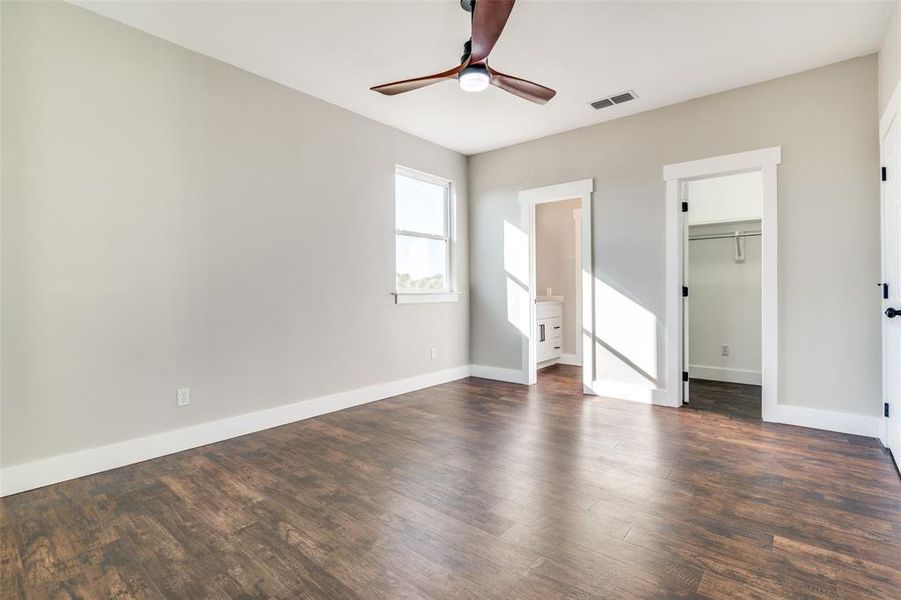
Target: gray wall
{"type": "Point", "coordinates": [170, 221]}
{"type": "Point", "coordinates": [828, 218]}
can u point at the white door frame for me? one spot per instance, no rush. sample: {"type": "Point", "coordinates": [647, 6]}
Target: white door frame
{"type": "Point", "coordinates": [764, 161]}
{"type": "Point", "coordinates": [528, 199]}
{"type": "Point", "coordinates": [577, 233]}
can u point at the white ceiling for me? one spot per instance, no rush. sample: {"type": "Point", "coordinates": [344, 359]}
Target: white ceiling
{"type": "Point", "coordinates": [666, 51]}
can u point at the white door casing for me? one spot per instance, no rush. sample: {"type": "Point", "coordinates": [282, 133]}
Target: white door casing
{"type": "Point", "coordinates": [528, 199]}
{"type": "Point", "coordinates": [766, 161]}
{"type": "Point", "coordinates": [577, 226]}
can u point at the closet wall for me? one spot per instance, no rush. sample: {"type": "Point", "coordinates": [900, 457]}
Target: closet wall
{"type": "Point", "coordinates": [725, 305]}
{"type": "Point", "coordinates": [724, 318]}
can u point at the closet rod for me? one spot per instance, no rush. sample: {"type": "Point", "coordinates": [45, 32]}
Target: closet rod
{"type": "Point", "coordinates": [724, 236]}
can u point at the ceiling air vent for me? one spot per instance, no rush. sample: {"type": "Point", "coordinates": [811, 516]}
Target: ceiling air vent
{"type": "Point", "coordinates": [611, 100]}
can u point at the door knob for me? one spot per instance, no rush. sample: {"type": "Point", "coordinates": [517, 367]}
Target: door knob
{"type": "Point", "coordinates": [891, 313]}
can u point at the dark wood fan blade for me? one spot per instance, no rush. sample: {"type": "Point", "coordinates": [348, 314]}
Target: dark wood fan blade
{"type": "Point", "coordinates": [408, 85]}
{"type": "Point", "coordinates": [521, 87]}
{"type": "Point", "coordinates": [488, 20]}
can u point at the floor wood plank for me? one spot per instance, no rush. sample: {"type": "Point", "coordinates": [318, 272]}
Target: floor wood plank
{"type": "Point", "coordinates": [478, 489]}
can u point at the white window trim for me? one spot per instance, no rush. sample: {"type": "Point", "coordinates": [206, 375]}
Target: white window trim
{"type": "Point", "coordinates": [449, 294]}
{"type": "Point", "coordinates": [425, 298]}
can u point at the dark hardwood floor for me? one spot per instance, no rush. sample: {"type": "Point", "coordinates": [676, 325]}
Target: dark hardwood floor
{"type": "Point", "coordinates": [476, 489]}
{"type": "Point", "coordinates": [734, 400]}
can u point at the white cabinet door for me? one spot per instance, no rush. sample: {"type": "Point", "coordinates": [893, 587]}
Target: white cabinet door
{"type": "Point", "coordinates": [544, 340]}
{"type": "Point", "coordinates": [550, 338]}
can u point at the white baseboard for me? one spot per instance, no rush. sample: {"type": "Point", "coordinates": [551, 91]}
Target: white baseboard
{"type": "Point", "coordinates": [570, 359]}
{"type": "Point", "coordinates": [632, 392]}
{"type": "Point", "coordinates": [725, 374]}
{"type": "Point", "coordinates": [19, 478]}
{"type": "Point", "coordinates": [499, 374]}
{"type": "Point", "coordinates": [802, 416]}
{"type": "Point", "coordinates": [564, 359]}
{"type": "Point", "coordinates": [827, 420]}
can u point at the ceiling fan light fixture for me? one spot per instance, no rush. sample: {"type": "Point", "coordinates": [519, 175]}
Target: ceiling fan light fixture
{"type": "Point", "coordinates": [474, 78]}
{"type": "Point", "coordinates": [472, 72]}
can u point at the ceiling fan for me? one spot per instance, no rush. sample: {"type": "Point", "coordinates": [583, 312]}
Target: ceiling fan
{"type": "Point", "coordinates": [473, 72]}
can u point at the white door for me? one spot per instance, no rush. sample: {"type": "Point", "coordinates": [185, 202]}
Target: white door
{"type": "Point", "coordinates": [685, 294]}
{"type": "Point", "coordinates": [891, 286]}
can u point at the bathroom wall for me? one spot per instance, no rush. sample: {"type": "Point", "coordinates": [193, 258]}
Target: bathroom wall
{"type": "Point", "coordinates": [556, 257]}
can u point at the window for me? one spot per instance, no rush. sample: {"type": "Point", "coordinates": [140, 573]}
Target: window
{"type": "Point", "coordinates": [422, 237]}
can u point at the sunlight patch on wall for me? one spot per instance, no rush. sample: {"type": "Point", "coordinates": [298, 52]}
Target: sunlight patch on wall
{"type": "Point", "coordinates": [518, 306]}
{"type": "Point", "coordinates": [516, 253]}
{"type": "Point", "coordinates": [626, 329]}
{"type": "Point", "coordinates": [516, 264]}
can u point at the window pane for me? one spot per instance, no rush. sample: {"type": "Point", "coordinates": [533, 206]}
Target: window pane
{"type": "Point", "coordinates": [421, 263]}
{"type": "Point", "coordinates": [419, 206]}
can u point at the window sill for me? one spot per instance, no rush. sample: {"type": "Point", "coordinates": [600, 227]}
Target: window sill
{"type": "Point", "coordinates": [402, 298]}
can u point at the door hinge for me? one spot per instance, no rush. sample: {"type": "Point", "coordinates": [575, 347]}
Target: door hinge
{"type": "Point", "coordinates": [685, 291]}
{"type": "Point", "coordinates": [885, 409]}
{"type": "Point", "coordinates": [684, 375]}
{"type": "Point", "coordinates": [684, 206]}
{"type": "Point", "coordinates": [884, 174]}
{"type": "Point", "coordinates": [884, 290]}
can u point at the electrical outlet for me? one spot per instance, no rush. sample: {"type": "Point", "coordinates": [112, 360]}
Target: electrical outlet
{"type": "Point", "coordinates": [434, 353]}
{"type": "Point", "coordinates": [724, 350]}
{"type": "Point", "coordinates": [183, 397]}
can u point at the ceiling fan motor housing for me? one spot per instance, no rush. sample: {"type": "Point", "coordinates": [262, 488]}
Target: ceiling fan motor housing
{"type": "Point", "coordinates": [467, 50]}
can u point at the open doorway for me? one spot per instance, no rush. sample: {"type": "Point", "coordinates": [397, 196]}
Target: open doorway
{"type": "Point", "coordinates": [723, 274]}
{"type": "Point", "coordinates": [583, 321]}
{"type": "Point", "coordinates": [558, 228]}
{"type": "Point", "coordinates": [678, 299]}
